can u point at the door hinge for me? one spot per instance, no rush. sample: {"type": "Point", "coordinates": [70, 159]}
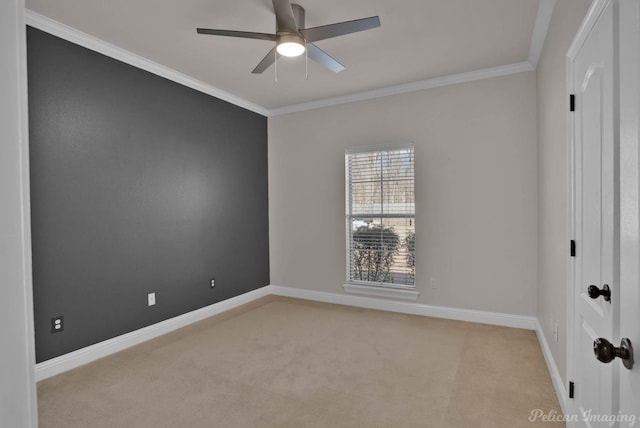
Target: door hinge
{"type": "Point", "coordinates": [572, 247]}
{"type": "Point", "coordinates": [571, 389]}
{"type": "Point", "coordinates": [572, 102]}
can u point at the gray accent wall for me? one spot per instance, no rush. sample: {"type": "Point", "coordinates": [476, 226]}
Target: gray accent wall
{"type": "Point", "coordinates": [138, 185]}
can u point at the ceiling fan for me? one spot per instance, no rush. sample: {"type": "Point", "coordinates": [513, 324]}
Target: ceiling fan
{"type": "Point", "coordinates": [292, 39]}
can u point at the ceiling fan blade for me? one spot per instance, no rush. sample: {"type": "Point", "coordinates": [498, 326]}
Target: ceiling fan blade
{"type": "Point", "coordinates": [333, 30]}
{"type": "Point", "coordinates": [285, 20]}
{"type": "Point", "coordinates": [323, 58]}
{"type": "Point", "coordinates": [243, 34]}
{"type": "Point", "coordinates": [266, 62]}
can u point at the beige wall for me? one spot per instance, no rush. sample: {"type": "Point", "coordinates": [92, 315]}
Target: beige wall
{"type": "Point", "coordinates": [476, 190]}
{"type": "Point", "coordinates": [552, 175]}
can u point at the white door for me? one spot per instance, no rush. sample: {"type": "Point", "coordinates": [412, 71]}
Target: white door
{"type": "Point", "coordinates": [605, 74]}
{"type": "Point", "coordinates": [595, 216]}
{"type": "Point", "coordinates": [629, 380]}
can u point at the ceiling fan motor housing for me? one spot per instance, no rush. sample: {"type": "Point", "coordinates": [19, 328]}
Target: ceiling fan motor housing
{"type": "Point", "coordinates": [290, 41]}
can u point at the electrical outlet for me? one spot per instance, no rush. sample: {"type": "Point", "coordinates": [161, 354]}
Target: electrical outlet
{"type": "Point", "coordinates": [212, 283]}
{"type": "Point", "coordinates": [57, 324]}
{"type": "Point", "coordinates": [151, 299]}
{"type": "Point", "coordinates": [433, 283]}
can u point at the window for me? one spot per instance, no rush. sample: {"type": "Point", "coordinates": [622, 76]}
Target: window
{"type": "Point", "coordinates": [380, 214]}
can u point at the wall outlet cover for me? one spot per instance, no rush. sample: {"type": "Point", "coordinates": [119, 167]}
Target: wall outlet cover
{"type": "Point", "coordinates": [57, 324]}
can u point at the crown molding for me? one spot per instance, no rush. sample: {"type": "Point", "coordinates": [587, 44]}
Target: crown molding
{"type": "Point", "coordinates": [543, 19]}
{"type": "Point", "coordinates": [541, 27]}
{"type": "Point", "coordinates": [452, 79]}
{"type": "Point", "coordinates": [70, 34]}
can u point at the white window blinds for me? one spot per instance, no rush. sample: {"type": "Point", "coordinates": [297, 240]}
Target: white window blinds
{"type": "Point", "coordinates": [380, 206]}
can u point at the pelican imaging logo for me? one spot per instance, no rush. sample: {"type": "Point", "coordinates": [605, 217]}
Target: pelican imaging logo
{"type": "Point", "coordinates": [586, 416]}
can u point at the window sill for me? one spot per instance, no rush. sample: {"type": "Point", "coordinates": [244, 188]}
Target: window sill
{"type": "Point", "coordinates": [377, 291]}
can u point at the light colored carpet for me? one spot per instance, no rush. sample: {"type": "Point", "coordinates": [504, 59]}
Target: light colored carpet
{"type": "Point", "coordinates": [281, 362]}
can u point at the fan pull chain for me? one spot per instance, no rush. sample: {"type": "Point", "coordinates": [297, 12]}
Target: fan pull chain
{"type": "Point", "coordinates": [306, 63]}
{"type": "Point", "coordinates": [275, 62]}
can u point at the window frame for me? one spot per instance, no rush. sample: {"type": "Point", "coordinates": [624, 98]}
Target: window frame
{"type": "Point", "coordinates": [378, 289]}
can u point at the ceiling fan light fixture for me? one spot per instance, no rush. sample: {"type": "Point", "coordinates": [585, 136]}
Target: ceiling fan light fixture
{"type": "Point", "coordinates": [291, 45]}
{"type": "Point", "coordinates": [293, 39]}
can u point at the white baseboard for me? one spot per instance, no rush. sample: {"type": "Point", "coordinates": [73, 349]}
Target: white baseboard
{"type": "Point", "coordinates": [482, 317]}
{"type": "Point", "coordinates": [493, 318]}
{"type": "Point", "coordinates": [91, 353]}
{"type": "Point", "coordinates": [82, 356]}
{"type": "Point", "coordinates": [558, 383]}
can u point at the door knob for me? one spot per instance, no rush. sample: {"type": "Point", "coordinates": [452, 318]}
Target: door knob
{"type": "Point", "coordinates": [606, 352]}
{"type": "Point", "coordinates": [594, 292]}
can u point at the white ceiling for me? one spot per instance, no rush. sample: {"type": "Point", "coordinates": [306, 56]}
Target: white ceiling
{"type": "Point", "coordinates": [418, 40]}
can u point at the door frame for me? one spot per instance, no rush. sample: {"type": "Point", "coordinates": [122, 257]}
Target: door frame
{"type": "Point", "coordinates": [593, 15]}
{"type": "Point", "coordinates": [629, 117]}
{"type": "Point", "coordinates": [18, 402]}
